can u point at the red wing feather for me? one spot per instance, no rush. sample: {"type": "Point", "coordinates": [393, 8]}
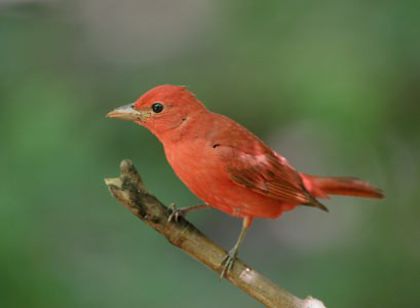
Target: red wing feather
{"type": "Point", "coordinates": [251, 164]}
{"type": "Point", "coordinates": [269, 175]}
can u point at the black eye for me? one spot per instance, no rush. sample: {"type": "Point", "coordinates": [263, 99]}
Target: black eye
{"type": "Point", "coordinates": [157, 107]}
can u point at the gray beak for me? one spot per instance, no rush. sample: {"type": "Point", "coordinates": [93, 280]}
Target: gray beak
{"type": "Point", "coordinates": [126, 113]}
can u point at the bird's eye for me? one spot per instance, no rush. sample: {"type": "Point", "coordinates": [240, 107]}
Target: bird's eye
{"type": "Point", "coordinates": [157, 107]}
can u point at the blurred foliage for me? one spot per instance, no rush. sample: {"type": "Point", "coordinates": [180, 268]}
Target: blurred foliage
{"type": "Point", "coordinates": [333, 85]}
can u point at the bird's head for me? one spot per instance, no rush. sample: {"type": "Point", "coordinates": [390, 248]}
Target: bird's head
{"type": "Point", "coordinates": [161, 109]}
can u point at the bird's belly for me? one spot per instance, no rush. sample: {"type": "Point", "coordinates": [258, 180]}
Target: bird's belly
{"type": "Point", "coordinates": [209, 181]}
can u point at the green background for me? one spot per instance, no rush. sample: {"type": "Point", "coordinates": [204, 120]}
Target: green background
{"type": "Point", "coordinates": [332, 85]}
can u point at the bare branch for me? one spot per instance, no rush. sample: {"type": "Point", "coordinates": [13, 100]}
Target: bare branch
{"type": "Point", "coordinates": [129, 190]}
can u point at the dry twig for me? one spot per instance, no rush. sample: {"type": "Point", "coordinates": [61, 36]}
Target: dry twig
{"type": "Point", "coordinates": [129, 190]}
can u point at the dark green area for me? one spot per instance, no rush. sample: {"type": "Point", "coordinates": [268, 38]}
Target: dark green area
{"type": "Point", "coordinates": [332, 85]}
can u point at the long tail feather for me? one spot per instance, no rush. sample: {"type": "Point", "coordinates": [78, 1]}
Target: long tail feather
{"type": "Point", "coordinates": [322, 187]}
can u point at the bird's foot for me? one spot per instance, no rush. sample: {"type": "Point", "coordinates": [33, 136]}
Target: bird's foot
{"type": "Point", "coordinates": [228, 262]}
{"type": "Point", "coordinates": [175, 213]}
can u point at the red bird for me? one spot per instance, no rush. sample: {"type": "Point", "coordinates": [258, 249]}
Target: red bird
{"type": "Point", "coordinates": [227, 166]}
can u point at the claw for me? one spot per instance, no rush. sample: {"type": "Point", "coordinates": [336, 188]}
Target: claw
{"type": "Point", "coordinates": [178, 213]}
{"type": "Point", "coordinates": [175, 213]}
{"type": "Point", "coordinates": [228, 262]}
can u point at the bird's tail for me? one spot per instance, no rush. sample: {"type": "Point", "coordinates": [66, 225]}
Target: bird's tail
{"type": "Point", "coordinates": [322, 187]}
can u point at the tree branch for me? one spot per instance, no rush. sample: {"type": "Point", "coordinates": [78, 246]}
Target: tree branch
{"type": "Point", "coordinates": [129, 190]}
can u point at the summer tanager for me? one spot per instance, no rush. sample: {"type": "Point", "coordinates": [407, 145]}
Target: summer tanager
{"type": "Point", "coordinates": [227, 166]}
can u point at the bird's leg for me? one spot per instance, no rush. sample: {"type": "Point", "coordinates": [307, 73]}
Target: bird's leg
{"type": "Point", "coordinates": [230, 258]}
{"type": "Point", "coordinates": [177, 213]}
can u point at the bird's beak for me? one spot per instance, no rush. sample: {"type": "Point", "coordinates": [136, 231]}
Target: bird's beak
{"type": "Point", "coordinates": [127, 113]}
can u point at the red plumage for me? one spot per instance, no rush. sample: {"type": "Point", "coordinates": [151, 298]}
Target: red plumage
{"type": "Point", "coordinates": [227, 166]}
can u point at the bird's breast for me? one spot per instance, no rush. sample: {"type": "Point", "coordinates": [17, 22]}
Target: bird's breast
{"type": "Point", "coordinates": [199, 167]}
{"type": "Point", "coordinates": [193, 162]}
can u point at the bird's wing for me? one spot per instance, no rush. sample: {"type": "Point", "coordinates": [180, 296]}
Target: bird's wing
{"type": "Point", "coordinates": [268, 174]}
{"type": "Point", "coordinates": [251, 164]}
